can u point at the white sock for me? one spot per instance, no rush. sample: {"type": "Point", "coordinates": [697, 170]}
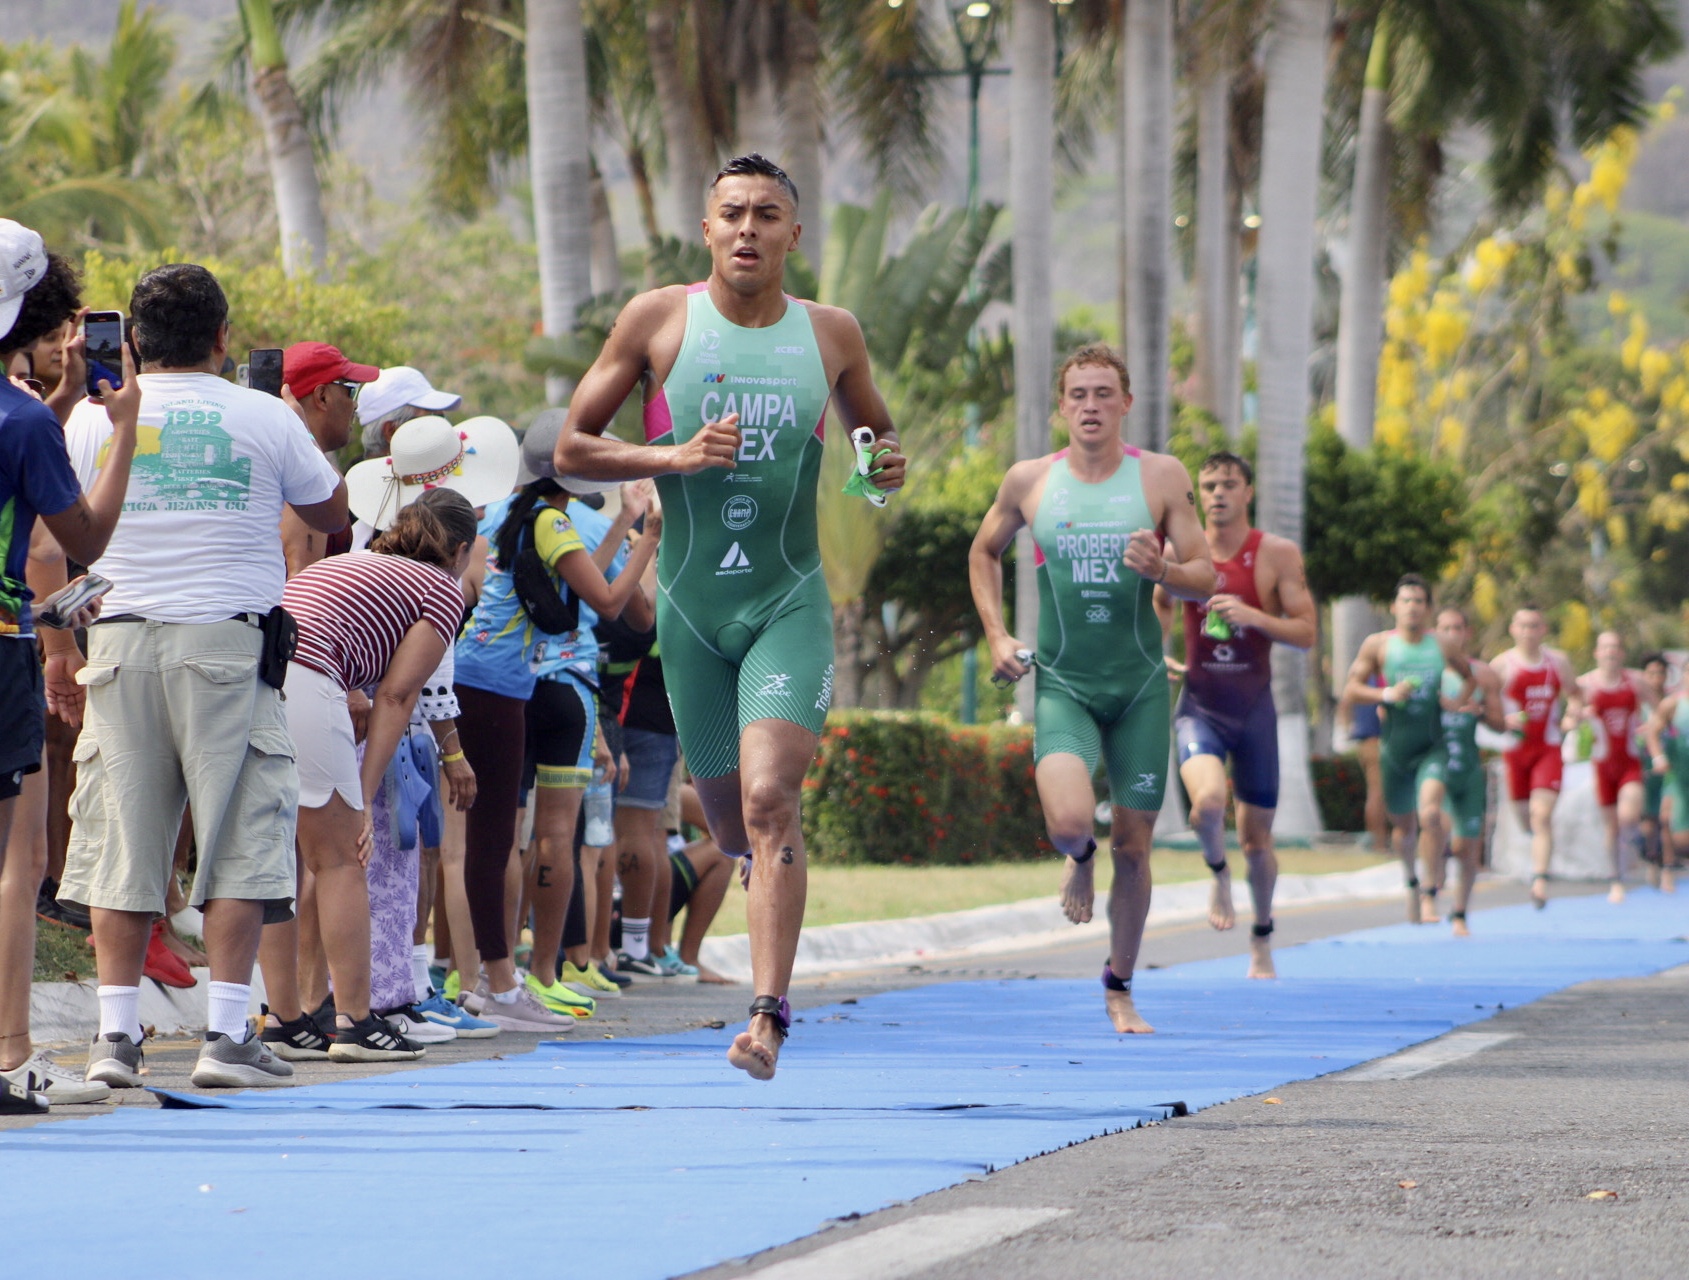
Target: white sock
{"type": "Point", "coordinates": [636, 937]}
{"type": "Point", "coordinates": [120, 1011]}
{"type": "Point", "coordinates": [419, 971]}
{"type": "Point", "coordinates": [226, 1009]}
{"type": "Point", "coordinates": [507, 997]}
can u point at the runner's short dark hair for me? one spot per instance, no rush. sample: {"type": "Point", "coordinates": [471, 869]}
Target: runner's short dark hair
{"type": "Point", "coordinates": [1530, 606]}
{"type": "Point", "coordinates": [1226, 458]}
{"type": "Point", "coordinates": [1094, 353]}
{"type": "Point", "coordinates": [756, 165]}
{"type": "Point", "coordinates": [1457, 611]}
{"type": "Point", "coordinates": [55, 298]}
{"type": "Point", "coordinates": [177, 310]}
{"type": "Point", "coordinates": [1650, 659]}
{"type": "Point", "coordinates": [1414, 580]}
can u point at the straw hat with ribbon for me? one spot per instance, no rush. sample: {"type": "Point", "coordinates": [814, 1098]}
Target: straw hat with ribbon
{"type": "Point", "coordinates": [477, 458]}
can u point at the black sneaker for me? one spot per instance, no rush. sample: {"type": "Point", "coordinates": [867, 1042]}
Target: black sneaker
{"type": "Point", "coordinates": [48, 907]}
{"type": "Point", "coordinates": [372, 1040]}
{"type": "Point", "coordinates": [324, 1014]}
{"type": "Point", "coordinates": [301, 1040]}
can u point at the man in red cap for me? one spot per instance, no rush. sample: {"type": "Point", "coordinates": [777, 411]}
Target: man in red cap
{"type": "Point", "coordinates": [321, 385]}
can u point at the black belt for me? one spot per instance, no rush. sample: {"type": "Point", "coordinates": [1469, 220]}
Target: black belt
{"type": "Point", "coordinates": [251, 619]}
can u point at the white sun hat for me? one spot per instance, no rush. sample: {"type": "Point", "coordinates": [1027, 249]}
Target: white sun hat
{"type": "Point", "coordinates": [23, 261]}
{"type": "Point", "coordinates": [398, 387]}
{"type": "Point", "coordinates": [477, 458]}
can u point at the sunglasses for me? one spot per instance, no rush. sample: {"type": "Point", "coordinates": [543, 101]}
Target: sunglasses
{"type": "Point", "coordinates": [352, 388]}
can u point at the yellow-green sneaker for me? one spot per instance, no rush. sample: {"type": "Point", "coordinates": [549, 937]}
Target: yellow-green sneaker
{"type": "Point", "coordinates": [454, 986]}
{"type": "Point", "coordinates": [559, 999]}
{"type": "Point", "coordinates": [588, 981]}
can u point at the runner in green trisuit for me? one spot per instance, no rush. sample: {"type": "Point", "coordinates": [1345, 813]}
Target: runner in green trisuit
{"type": "Point", "coordinates": [1411, 661]}
{"type": "Point", "coordinates": [737, 378]}
{"type": "Point", "coordinates": [1464, 785]}
{"type": "Point", "coordinates": [1101, 514]}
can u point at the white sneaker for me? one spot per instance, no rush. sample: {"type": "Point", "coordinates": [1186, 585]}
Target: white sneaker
{"type": "Point", "coordinates": [42, 1076]}
{"type": "Point", "coordinates": [409, 1022]}
{"type": "Point", "coordinates": [526, 1013]}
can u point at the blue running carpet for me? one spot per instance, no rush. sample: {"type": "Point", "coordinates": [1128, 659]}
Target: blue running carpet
{"type": "Point", "coordinates": [651, 1158]}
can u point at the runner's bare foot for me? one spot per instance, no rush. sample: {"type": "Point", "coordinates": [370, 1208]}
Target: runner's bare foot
{"type": "Point", "coordinates": [1457, 926]}
{"type": "Point", "coordinates": [1615, 895]}
{"type": "Point", "coordinates": [185, 951]}
{"type": "Point", "coordinates": [1261, 958]}
{"type": "Point", "coordinates": [1539, 892]}
{"type": "Point", "coordinates": [1668, 880]}
{"type": "Point", "coordinates": [1414, 915]}
{"type": "Point", "coordinates": [1124, 1014]}
{"type": "Point", "coordinates": [710, 975]}
{"type": "Point", "coordinates": [1428, 910]}
{"type": "Point", "coordinates": [1079, 889]}
{"type": "Point", "coordinates": [756, 1054]}
{"type": "Point", "coordinates": [1221, 913]}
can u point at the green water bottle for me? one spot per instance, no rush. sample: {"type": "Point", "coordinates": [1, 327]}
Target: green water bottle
{"type": "Point", "coordinates": [1586, 740]}
{"type": "Point", "coordinates": [1216, 627]}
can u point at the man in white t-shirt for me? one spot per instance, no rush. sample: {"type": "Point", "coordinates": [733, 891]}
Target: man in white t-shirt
{"type": "Point", "coordinates": [177, 714]}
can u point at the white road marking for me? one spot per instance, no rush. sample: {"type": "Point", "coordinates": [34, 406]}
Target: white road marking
{"type": "Point", "coordinates": [912, 1245]}
{"type": "Point", "coordinates": [1425, 1057]}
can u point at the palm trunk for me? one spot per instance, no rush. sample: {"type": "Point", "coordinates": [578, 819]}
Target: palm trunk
{"type": "Point", "coordinates": [1292, 129]}
{"type": "Point", "coordinates": [1032, 179]}
{"type": "Point", "coordinates": [801, 128]}
{"type": "Point", "coordinates": [559, 164]}
{"type": "Point", "coordinates": [1218, 373]}
{"type": "Point", "coordinates": [1360, 328]}
{"type": "Point", "coordinates": [1148, 88]}
{"type": "Point", "coordinates": [757, 116]}
{"type": "Point", "coordinates": [606, 264]}
{"type": "Point", "coordinates": [847, 653]}
{"type": "Point", "coordinates": [639, 168]}
{"type": "Point", "coordinates": [293, 164]}
{"type": "Point", "coordinates": [684, 140]}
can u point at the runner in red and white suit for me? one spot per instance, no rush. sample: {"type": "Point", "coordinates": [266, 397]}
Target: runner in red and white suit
{"type": "Point", "coordinates": [1617, 701]}
{"type": "Point", "coordinates": [1535, 681]}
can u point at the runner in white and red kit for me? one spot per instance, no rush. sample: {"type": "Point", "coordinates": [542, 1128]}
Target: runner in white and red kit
{"type": "Point", "coordinates": [1542, 700]}
{"type": "Point", "coordinates": [1617, 701]}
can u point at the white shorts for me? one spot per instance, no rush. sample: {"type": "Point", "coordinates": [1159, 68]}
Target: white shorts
{"type": "Point", "coordinates": [323, 743]}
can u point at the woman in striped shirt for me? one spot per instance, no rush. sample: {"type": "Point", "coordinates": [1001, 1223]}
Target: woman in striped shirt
{"type": "Point", "coordinates": [383, 618]}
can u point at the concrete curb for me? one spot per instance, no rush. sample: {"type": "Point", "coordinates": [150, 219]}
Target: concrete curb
{"type": "Point", "coordinates": [1023, 926]}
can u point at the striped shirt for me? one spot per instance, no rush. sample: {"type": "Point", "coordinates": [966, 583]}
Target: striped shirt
{"type": "Point", "coordinates": [353, 610]}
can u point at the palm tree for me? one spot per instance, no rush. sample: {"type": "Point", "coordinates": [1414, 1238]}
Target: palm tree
{"type": "Point", "coordinates": [293, 163]}
{"type": "Point", "coordinates": [1148, 106]}
{"type": "Point", "coordinates": [558, 159]}
{"type": "Point", "coordinates": [1220, 36]}
{"type": "Point", "coordinates": [80, 134]}
{"type": "Point", "coordinates": [1032, 179]}
{"type": "Point", "coordinates": [1293, 128]}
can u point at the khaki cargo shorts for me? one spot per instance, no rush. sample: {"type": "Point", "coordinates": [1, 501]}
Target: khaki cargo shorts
{"type": "Point", "coordinates": [178, 717]}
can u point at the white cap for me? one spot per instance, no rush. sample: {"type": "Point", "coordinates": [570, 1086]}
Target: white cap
{"type": "Point", "coordinates": [23, 261]}
{"type": "Point", "coordinates": [397, 388]}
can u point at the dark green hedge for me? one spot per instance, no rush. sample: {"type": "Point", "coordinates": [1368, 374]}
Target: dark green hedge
{"type": "Point", "coordinates": [914, 788]}
{"type": "Point", "coordinates": [1340, 792]}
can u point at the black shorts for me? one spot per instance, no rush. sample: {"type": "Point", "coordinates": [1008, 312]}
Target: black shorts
{"type": "Point", "coordinates": [560, 722]}
{"type": "Point", "coordinates": [23, 713]}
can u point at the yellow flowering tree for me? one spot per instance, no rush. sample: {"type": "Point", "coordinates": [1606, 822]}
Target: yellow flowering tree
{"type": "Point", "coordinates": [1574, 448]}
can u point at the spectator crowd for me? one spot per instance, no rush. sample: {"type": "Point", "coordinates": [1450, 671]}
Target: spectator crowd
{"type": "Point", "coordinates": [366, 733]}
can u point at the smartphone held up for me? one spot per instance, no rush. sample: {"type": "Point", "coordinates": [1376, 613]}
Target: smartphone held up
{"type": "Point", "coordinates": [103, 335]}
